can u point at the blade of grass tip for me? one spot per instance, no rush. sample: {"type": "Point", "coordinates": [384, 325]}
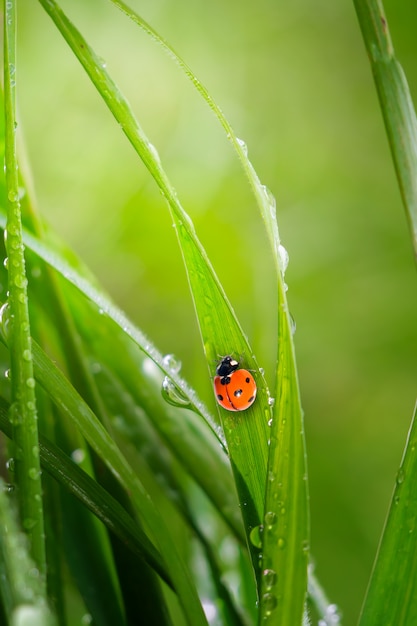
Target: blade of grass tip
{"type": "Point", "coordinates": [391, 597]}
{"type": "Point", "coordinates": [21, 587]}
{"type": "Point", "coordinates": [15, 324]}
{"type": "Point", "coordinates": [396, 103]}
{"type": "Point", "coordinates": [247, 438]}
{"type": "Point", "coordinates": [264, 198]}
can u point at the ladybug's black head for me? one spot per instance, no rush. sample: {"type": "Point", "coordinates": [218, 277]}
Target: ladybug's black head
{"type": "Point", "coordinates": [226, 366]}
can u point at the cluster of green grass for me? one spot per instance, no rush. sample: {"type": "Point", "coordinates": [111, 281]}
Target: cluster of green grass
{"type": "Point", "coordinates": [127, 501]}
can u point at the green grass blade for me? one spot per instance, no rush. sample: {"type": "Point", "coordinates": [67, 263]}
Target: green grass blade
{"type": "Point", "coordinates": [70, 403]}
{"type": "Point", "coordinates": [21, 587]}
{"type": "Point", "coordinates": [247, 438]}
{"type": "Point", "coordinates": [23, 414]}
{"type": "Point", "coordinates": [396, 103]}
{"type": "Point", "coordinates": [94, 497]}
{"type": "Point", "coordinates": [391, 598]}
{"type": "Point", "coordinates": [286, 530]}
{"type": "Point", "coordinates": [287, 462]}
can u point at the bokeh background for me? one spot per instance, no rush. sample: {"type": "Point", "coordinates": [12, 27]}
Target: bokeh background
{"type": "Point", "coordinates": [294, 82]}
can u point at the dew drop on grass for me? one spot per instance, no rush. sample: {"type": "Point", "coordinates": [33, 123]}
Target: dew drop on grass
{"type": "Point", "coordinates": [30, 382]}
{"type": "Point", "coordinates": [10, 464]}
{"type": "Point", "coordinates": [78, 455]}
{"type": "Point", "coordinates": [269, 578]}
{"type": "Point", "coordinates": [6, 262]}
{"type": "Point", "coordinates": [269, 603]}
{"type": "Point", "coordinates": [243, 145]}
{"type": "Point", "coordinates": [270, 519]}
{"type": "Point", "coordinates": [256, 536]}
{"type": "Point", "coordinates": [172, 394]}
{"type": "Point", "coordinates": [5, 320]}
{"type": "Point", "coordinates": [172, 363]}
{"type": "Point", "coordinates": [283, 258]}
{"type": "Point", "coordinates": [400, 476]}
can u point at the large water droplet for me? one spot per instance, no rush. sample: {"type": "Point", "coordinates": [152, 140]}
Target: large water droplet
{"type": "Point", "coordinates": [269, 578]}
{"type": "Point", "coordinates": [256, 536]}
{"type": "Point", "coordinates": [284, 258]}
{"type": "Point", "coordinates": [243, 145]}
{"type": "Point", "coordinates": [269, 603]}
{"type": "Point", "coordinates": [5, 320]}
{"type": "Point", "coordinates": [172, 394]}
{"type": "Point", "coordinates": [270, 519]}
{"type": "Point", "coordinates": [171, 363]}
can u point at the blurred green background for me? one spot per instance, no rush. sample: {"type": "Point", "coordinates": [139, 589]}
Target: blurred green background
{"type": "Point", "coordinates": [294, 82]}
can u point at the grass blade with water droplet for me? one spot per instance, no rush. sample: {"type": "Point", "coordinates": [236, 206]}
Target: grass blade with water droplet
{"type": "Point", "coordinates": [23, 412]}
{"type": "Point", "coordinates": [391, 596]}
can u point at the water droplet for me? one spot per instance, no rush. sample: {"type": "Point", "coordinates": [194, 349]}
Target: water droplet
{"type": "Point", "coordinates": [243, 145]}
{"type": "Point", "coordinates": [35, 451]}
{"type": "Point", "coordinates": [271, 401]}
{"type": "Point", "coordinates": [171, 363]}
{"type": "Point", "coordinates": [269, 603]}
{"type": "Point", "coordinates": [20, 281]}
{"type": "Point", "coordinates": [6, 262]}
{"type": "Point", "coordinates": [269, 578]}
{"type": "Point", "coordinates": [293, 325]}
{"type": "Point", "coordinates": [400, 476]}
{"type": "Point", "coordinates": [78, 455]}
{"type": "Point", "coordinates": [172, 394]}
{"type": "Point", "coordinates": [256, 536]}
{"type": "Point", "coordinates": [281, 543]}
{"type": "Point", "coordinates": [27, 355]}
{"type": "Point", "coordinates": [10, 464]}
{"type": "Point", "coordinates": [86, 619]}
{"type": "Point", "coordinates": [270, 519]}
{"type": "Point", "coordinates": [13, 196]}
{"type": "Point", "coordinates": [270, 422]}
{"type": "Point", "coordinates": [283, 258]}
{"type": "Point", "coordinates": [33, 473]}
{"type": "Point", "coordinates": [5, 320]}
{"type": "Point", "coordinates": [9, 488]}
{"type": "Point", "coordinates": [7, 374]}
{"type": "Point", "coordinates": [30, 382]}
{"type": "Point", "coordinates": [261, 371]}
{"type": "Point", "coordinates": [15, 415]}
{"type": "Point", "coordinates": [271, 476]}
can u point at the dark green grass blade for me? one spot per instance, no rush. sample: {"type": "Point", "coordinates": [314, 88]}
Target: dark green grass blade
{"type": "Point", "coordinates": [392, 594]}
{"type": "Point", "coordinates": [396, 104]}
{"type": "Point", "coordinates": [94, 497]}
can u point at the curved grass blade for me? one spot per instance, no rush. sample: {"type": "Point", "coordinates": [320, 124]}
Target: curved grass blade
{"type": "Point", "coordinates": [94, 497]}
{"type": "Point", "coordinates": [287, 457]}
{"type": "Point", "coordinates": [23, 414]}
{"type": "Point", "coordinates": [392, 594]}
{"type": "Point", "coordinates": [396, 103]}
{"type": "Point", "coordinates": [247, 438]}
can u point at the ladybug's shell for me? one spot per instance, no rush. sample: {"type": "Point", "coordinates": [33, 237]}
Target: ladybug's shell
{"type": "Point", "coordinates": [239, 393]}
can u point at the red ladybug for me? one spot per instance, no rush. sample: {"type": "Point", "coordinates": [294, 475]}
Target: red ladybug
{"type": "Point", "coordinates": [235, 389]}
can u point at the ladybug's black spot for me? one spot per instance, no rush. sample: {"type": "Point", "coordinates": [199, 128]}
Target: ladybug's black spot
{"type": "Point", "coordinates": [225, 380]}
{"type": "Point", "coordinates": [251, 399]}
{"type": "Point", "coordinates": [238, 393]}
{"type": "Point", "coordinates": [247, 379]}
{"type": "Point", "coordinates": [219, 397]}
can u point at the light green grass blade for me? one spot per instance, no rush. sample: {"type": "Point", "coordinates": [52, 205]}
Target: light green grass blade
{"type": "Point", "coordinates": [392, 594]}
{"type": "Point", "coordinates": [396, 104]}
{"type": "Point", "coordinates": [282, 594]}
{"type": "Point", "coordinates": [285, 534]}
{"type": "Point", "coordinates": [23, 414]}
{"type": "Point", "coordinates": [21, 587]}
{"type": "Point", "coordinates": [247, 438]}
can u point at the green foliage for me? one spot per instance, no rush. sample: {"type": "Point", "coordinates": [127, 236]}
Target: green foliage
{"type": "Point", "coordinates": [156, 508]}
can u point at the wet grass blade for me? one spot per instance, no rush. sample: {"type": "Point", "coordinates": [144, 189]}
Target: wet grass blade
{"type": "Point", "coordinates": [15, 316]}
{"type": "Point", "coordinates": [246, 438]}
{"type": "Point", "coordinates": [396, 103]}
{"type": "Point", "coordinates": [391, 598]}
{"type": "Point", "coordinates": [286, 514]}
{"type": "Point", "coordinates": [21, 587]}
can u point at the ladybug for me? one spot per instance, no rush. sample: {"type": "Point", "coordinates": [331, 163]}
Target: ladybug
{"type": "Point", "coordinates": [235, 388]}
